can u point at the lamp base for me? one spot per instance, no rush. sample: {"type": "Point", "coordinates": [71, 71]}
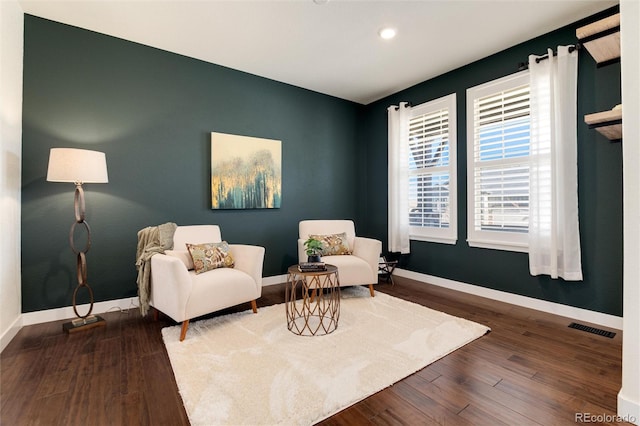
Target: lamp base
{"type": "Point", "coordinates": [80, 324]}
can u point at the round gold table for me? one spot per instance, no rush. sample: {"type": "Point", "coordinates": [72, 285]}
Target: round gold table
{"type": "Point", "coordinates": [318, 310]}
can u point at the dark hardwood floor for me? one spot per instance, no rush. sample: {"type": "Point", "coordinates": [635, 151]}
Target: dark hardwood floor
{"type": "Point", "coordinates": [531, 369]}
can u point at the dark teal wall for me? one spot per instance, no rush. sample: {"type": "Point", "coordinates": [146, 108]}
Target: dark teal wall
{"type": "Point", "coordinates": [599, 192]}
{"type": "Point", "coordinates": [152, 112]}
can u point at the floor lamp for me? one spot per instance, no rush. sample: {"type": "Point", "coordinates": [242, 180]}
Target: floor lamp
{"type": "Point", "coordinates": [79, 166]}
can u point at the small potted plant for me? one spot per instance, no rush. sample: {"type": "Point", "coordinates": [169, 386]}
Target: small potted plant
{"type": "Point", "coordinates": [313, 249]}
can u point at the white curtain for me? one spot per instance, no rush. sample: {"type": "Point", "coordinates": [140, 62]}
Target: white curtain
{"type": "Point", "coordinates": [398, 178]}
{"type": "Point", "coordinates": [554, 239]}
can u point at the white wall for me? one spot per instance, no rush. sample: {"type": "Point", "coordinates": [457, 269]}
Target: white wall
{"type": "Point", "coordinates": [11, 49]}
{"type": "Point", "coordinates": [629, 396]}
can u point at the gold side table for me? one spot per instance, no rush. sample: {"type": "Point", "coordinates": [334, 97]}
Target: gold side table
{"type": "Point", "coordinates": [318, 311]}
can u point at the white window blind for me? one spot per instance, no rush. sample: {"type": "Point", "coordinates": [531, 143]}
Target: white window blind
{"type": "Point", "coordinates": [498, 163]}
{"type": "Point", "coordinates": [432, 175]}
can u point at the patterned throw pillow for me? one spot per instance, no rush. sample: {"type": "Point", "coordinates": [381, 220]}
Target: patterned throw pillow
{"type": "Point", "coordinates": [333, 244]}
{"type": "Point", "coordinates": [209, 256]}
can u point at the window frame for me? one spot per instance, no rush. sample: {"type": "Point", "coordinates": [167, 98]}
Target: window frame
{"type": "Point", "coordinates": [431, 234]}
{"type": "Point", "coordinates": [499, 240]}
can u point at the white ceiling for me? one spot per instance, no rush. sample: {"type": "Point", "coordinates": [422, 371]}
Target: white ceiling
{"type": "Point", "coordinates": [331, 48]}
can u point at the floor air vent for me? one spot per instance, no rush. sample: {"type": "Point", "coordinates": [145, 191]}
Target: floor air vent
{"type": "Point", "coordinates": [593, 330]}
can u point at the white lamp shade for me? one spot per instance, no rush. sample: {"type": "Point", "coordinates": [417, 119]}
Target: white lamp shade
{"type": "Point", "coordinates": [77, 165]}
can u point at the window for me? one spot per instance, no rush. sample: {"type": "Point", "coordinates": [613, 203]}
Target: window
{"type": "Point", "coordinates": [432, 171]}
{"type": "Point", "coordinates": [498, 163]}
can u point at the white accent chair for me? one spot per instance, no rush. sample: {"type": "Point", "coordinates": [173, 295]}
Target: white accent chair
{"type": "Point", "coordinates": [359, 268]}
{"type": "Point", "coordinates": [182, 295]}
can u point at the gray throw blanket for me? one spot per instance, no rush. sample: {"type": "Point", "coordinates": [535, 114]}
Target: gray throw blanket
{"type": "Point", "coordinates": [151, 240]}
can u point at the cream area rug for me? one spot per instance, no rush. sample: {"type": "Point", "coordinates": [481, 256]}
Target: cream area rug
{"type": "Point", "coordinates": [249, 369]}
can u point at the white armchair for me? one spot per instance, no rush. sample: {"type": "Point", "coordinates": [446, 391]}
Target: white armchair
{"type": "Point", "coordinates": [182, 294]}
{"type": "Point", "coordinates": [359, 268]}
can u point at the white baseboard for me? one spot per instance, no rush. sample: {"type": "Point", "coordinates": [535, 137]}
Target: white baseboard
{"type": "Point", "coordinates": [49, 315]}
{"type": "Point", "coordinates": [579, 314]}
{"type": "Point", "coordinates": [276, 279]}
{"type": "Point", "coordinates": [628, 411]}
{"type": "Point", "coordinates": [10, 333]}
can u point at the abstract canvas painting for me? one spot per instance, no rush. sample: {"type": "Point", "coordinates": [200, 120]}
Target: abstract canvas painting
{"type": "Point", "coordinates": [245, 172]}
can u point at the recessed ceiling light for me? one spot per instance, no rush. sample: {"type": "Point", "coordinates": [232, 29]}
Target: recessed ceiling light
{"type": "Point", "coordinates": [387, 33]}
{"type": "Point", "coordinates": [320, 1]}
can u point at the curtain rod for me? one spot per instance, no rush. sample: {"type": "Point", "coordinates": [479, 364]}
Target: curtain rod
{"type": "Point", "coordinates": [397, 107]}
{"type": "Point", "coordinates": [524, 65]}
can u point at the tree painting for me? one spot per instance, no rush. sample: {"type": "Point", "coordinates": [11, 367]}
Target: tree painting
{"type": "Point", "coordinates": [245, 172]}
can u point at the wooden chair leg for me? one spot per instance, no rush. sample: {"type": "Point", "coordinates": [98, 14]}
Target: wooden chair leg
{"type": "Point", "coordinates": [183, 330]}
{"type": "Point", "coordinates": [254, 306]}
{"type": "Point", "coordinates": [371, 290]}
